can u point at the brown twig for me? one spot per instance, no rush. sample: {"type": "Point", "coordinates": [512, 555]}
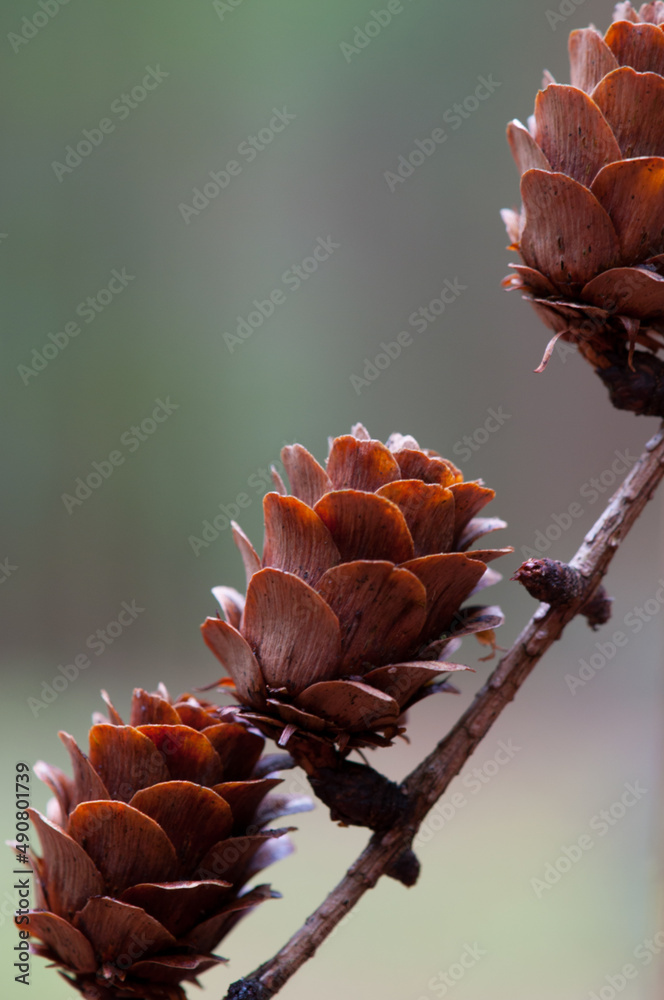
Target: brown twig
{"type": "Point", "coordinates": [424, 786]}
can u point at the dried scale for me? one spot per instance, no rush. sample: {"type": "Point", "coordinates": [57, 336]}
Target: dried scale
{"type": "Point", "coordinates": [591, 228]}
{"type": "Point", "coordinates": [146, 851]}
{"type": "Point", "coordinates": [352, 613]}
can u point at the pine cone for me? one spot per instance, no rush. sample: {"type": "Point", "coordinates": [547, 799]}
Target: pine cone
{"type": "Point", "coordinates": [146, 849]}
{"type": "Point", "coordinates": [591, 230]}
{"type": "Point", "coordinates": [351, 612]}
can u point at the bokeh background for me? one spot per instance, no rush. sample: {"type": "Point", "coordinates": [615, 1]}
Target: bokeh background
{"type": "Point", "coordinates": [222, 70]}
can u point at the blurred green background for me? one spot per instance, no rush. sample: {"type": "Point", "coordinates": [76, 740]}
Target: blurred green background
{"type": "Point", "coordinates": [218, 72]}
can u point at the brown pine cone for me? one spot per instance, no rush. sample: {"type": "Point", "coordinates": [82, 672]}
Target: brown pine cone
{"type": "Point", "coordinates": [147, 848]}
{"type": "Point", "coordinates": [591, 229]}
{"type": "Point", "coordinates": [357, 600]}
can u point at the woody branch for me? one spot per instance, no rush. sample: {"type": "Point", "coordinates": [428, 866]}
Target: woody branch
{"type": "Point", "coordinates": [424, 786]}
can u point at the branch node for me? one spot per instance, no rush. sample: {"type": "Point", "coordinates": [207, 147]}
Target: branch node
{"type": "Point", "coordinates": [551, 581]}
{"type": "Point", "coordinates": [248, 989]}
{"type": "Point", "coordinates": [597, 609]}
{"type": "Point", "coordinates": [639, 387]}
{"type": "Point", "coordinates": [405, 868]}
{"type": "Point", "coordinates": [357, 795]}
{"type": "Point", "coordinates": [560, 585]}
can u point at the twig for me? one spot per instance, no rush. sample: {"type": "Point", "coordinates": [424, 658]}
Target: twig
{"type": "Point", "coordinates": [428, 781]}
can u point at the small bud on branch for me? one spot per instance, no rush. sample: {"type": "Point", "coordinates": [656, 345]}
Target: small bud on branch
{"type": "Point", "coordinates": [559, 584]}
